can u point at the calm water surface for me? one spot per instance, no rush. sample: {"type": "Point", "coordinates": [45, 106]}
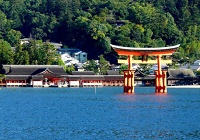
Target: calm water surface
{"type": "Point", "coordinates": [104, 113]}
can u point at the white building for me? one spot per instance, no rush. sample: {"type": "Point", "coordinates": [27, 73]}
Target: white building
{"type": "Point", "coordinates": [75, 53]}
{"type": "Point", "coordinates": [68, 60]}
{"type": "Point", "coordinates": [24, 41]}
{"type": "Point", "coordinates": [27, 40]}
{"type": "Point", "coordinates": [196, 63]}
{"type": "Point", "coordinates": [81, 56]}
{"type": "Point", "coordinates": [56, 45]}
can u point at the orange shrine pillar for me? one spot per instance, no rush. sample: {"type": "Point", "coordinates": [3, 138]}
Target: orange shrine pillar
{"type": "Point", "coordinates": [129, 77]}
{"type": "Point", "coordinates": [129, 81]}
{"type": "Point", "coordinates": [161, 78]}
{"type": "Point", "coordinates": [164, 81]}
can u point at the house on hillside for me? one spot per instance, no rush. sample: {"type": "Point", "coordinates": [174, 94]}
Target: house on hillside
{"type": "Point", "coordinates": [56, 45]}
{"type": "Point", "coordinates": [24, 41]}
{"type": "Point", "coordinates": [75, 53]}
{"type": "Point", "coordinates": [115, 67]}
{"type": "Point", "coordinates": [27, 40]}
{"type": "Point", "coordinates": [68, 60]}
{"type": "Point", "coordinates": [195, 66]}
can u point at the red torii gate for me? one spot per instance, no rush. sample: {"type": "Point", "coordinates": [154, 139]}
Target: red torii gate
{"type": "Point", "coordinates": [161, 76]}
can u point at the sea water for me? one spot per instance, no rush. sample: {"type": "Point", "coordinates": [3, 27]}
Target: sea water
{"type": "Point", "coordinates": [98, 113]}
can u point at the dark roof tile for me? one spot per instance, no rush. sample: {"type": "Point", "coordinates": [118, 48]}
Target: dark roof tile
{"type": "Point", "coordinates": [32, 69]}
{"type": "Point", "coordinates": [17, 77]}
{"type": "Point", "coordinates": [180, 73]}
{"type": "Point", "coordinates": [92, 77]}
{"type": "Point", "coordinates": [112, 72]}
{"type": "Point", "coordinates": [83, 73]}
{"type": "Point", "coordinates": [74, 77]}
{"type": "Point", "coordinates": [113, 77]}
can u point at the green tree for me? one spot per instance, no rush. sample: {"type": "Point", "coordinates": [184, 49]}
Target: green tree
{"type": "Point", "coordinates": [26, 58]}
{"type": "Point", "coordinates": [141, 13]}
{"type": "Point", "coordinates": [48, 53]}
{"type": "Point", "coordinates": [103, 65]}
{"type": "Point", "coordinates": [4, 24]}
{"type": "Point", "coordinates": [18, 55]}
{"type": "Point", "coordinates": [92, 24]}
{"type": "Point", "coordinates": [145, 69]}
{"type": "Point", "coordinates": [171, 33]}
{"type": "Point", "coordinates": [2, 76]}
{"type": "Point", "coordinates": [6, 53]}
{"type": "Point", "coordinates": [122, 68]}
{"type": "Point", "coordinates": [91, 65]}
{"type": "Point", "coordinates": [69, 69]}
{"type": "Point", "coordinates": [15, 13]}
{"type": "Point", "coordinates": [35, 54]}
{"type": "Point", "coordinates": [13, 37]}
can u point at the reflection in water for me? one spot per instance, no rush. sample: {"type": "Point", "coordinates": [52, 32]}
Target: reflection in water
{"type": "Point", "coordinates": [79, 113]}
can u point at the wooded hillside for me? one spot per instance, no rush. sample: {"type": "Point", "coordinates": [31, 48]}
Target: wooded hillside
{"type": "Point", "coordinates": [92, 25]}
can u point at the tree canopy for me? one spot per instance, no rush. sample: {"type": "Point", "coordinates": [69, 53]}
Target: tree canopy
{"type": "Point", "coordinates": [92, 25]}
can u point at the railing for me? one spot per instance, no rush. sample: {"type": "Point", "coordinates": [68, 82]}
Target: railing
{"type": "Point", "coordinates": [16, 84]}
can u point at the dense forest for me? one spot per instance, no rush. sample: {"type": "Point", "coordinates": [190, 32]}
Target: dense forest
{"type": "Point", "coordinates": [92, 25]}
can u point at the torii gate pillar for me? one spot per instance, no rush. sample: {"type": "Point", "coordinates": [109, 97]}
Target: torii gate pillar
{"type": "Point", "coordinates": [129, 77]}
{"type": "Point", "coordinates": [161, 78]}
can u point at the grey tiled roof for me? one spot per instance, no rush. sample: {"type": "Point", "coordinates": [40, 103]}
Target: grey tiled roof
{"type": "Point", "coordinates": [83, 73]}
{"type": "Point", "coordinates": [180, 73]}
{"type": "Point", "coordinates": [92, 77]}
{"type": "Point", "coordinates": [148, 77]}
{"type": "Point", "coordinates": [32, 69]}
{"type": "Point", "coordinates": [37, 77]}
{"type": "Point", "coordinates": [17, 77]}
{"type": "Point", "coordinates": [112, 72]}
{"type": "Point", "coordinates": [193, 67]}
{"type": "Point", "coordinates": [113, 77]}
{"type": "Point", "coordinates": [74, 77]}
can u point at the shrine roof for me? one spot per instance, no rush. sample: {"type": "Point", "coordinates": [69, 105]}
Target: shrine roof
{"type": "Point", "coordinates": [33, 69]}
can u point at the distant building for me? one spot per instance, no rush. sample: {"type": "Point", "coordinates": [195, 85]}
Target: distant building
{"type": "Point", "coordinates": [79, 67]}
{"type": "Point", "coordinates": [197, 63]}
{"type": "Point", "coordinates": [27, 40]}
{"type": "Point", "coordinates": [120, 23]}
{"type": "Point", "coordinates": [115, 67]}
{"type": "Point", "coordinates": [34, 75]}
{"type": "Point", "coordinates": [75, 53]}
{"type": "Point", "coordinates": [155, 67]}
{"type": "Point", "coordinates": [68, 60]}
{"type": "Point", "coordinates": [81, 56]}
{"type": "Point", "coordinates": [56, 45]}
{"type": "Point", "coordinates": [24, 41]}
{"type": "Point", "coordinates": [181, 77]}
{"type": "Point", "coordinates": [195, 66]}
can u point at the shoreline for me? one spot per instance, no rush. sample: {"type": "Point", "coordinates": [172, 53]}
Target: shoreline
{"type": "Point", "coordinates": [184, 86]}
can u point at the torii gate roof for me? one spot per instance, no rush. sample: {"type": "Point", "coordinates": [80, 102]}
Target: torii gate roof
{"type": "Point", "coordinates": [145, 51]}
